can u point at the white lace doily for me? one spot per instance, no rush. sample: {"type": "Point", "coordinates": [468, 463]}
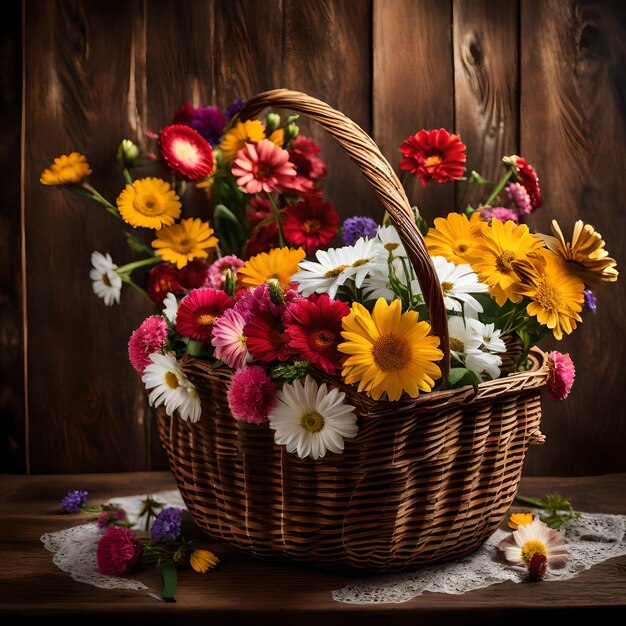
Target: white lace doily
{"type": "Point", "coordinates": [590, 539]}
{"type": "Point", "coordinates": [75, 548]}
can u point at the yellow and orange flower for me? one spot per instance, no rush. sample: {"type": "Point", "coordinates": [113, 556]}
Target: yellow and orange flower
{"type": "Point", "coordinates": [149, 202]}
{"type": "Point", "coordinates": [202, 561]}
{"type": "Point", "coordinates": [67, 169]}
{"type": "Point", "coordinates": [454, 237]}
{"type": "Point", "coordinates": [250, 131]}
{"type": "Point", "coordinates": [519, 519]}
{"type": "Point", "coordinates": [279, 263]}
{"type": "Point", "coordinates": [180, 243]}
{"type": "Point", "coordinates": [503, 244]}
{"type": "Point", "coordinates": [585, 254]}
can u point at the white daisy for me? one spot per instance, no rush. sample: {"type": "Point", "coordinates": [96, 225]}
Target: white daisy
{"type": "Point", "coordinates": [170, 387]}
{"type": "Point", "coordinates": [491, 339]}
{"type": "Point", "coordinates": [466, 339]}
{"type": "Point", "coordinates": [389, 237]}
{"type": "Point", "coordinates": [170, 308]}
{"type": "Point", "coordinates": [457, 283]}
{"type": "Point", "coordinates": [520, 546]}
{"type": "Point", "coordinates": [378, 284]}
{"type": "Point", "coordinates": [310, 419]}
{"type": "Point", "coordinates": [107, 283]}
{"type": "Point", "coordinates": [337, 265]}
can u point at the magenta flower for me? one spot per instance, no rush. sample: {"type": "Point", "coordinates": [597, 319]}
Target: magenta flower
{"type": "Point", "coordinates": [561, 373]}
{"type": "Point", "coordinates": [216, 277]}
{"type": "Point", "coordinates": [251, 395]}
{"type": "Point", "coordinates": [229, 340]}
{"type": "Point", "coordinates": [520, 196]}
{"type": "Point", "coordinates": [146, 340]}
{"type": "Point", "coordinates": [118, 551]}
{"type": "Point", "coordinates": [498, 213]}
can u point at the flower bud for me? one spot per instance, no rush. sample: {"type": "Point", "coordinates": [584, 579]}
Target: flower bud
{"type": "Point", "coordinates": [127, 153]}
{"type": "Point", "coordinates": [276, 291]}
{"type": "Point", "coordinates": [272, 121]}
{"type": "Point", "coordinates": [291, 132]}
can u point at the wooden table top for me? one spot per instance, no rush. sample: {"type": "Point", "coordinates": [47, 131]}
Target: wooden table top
{"type": "Point", "coordinates": [254, 592]}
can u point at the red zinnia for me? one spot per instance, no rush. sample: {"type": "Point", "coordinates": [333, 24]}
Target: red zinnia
{"type": "Point", "coordinates": [303, 154]}
{"type": "Point", "coordinates": [198, 310]}
{"type": "Point", "coordinates": [315, 330]}
{"type": "Point", "coordinates": [527, 178]}
{"type": "Point", "coordinates": [194, 274]}
{"type": "Point", "coordinates": [433, 155]}
{"type": "Point", "coordinates": [162, 280]}
{"type": "Point", "coordinates": [259, 209]}
{"type": "Point", "coordinates": [263, 167]}
{"type": "Point", "coordinates": [311, 224]}
{"type": "Point", "coordinates": [186, 153]}
{"type": "Point", "coordinates": [118, 551]}
{"type": "Point", "coordinates": [263, 239]}
{"type": "Point", "coordinates": [266, 339]}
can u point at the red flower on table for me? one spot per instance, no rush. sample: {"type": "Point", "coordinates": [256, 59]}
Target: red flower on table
{"type": "Point", "coordinates": [118, 551]}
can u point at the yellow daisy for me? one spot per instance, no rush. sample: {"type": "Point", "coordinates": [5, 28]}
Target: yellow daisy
{"type": "Point", "coordinates": [279, 263]}
{"type": "Point", "coordinates": [250, 131]}
{"type": "Point", "coordinates": [502, 245]}
{"type": "Point", "coordinates": [454, 237]}
{"type": "Point", "coordinates": [585, 255]}
{"type": "Point", "coordinates": [183, 242]}
{"type": "Point", "coordinates": [389, 351]}
{"type": "Point", "coordinates": [557, 296]}
{"type": "Point", "coordinates": [202, 561]}
{"type": "Point", "coordinates": [519, 519]}
{"type": "Point", "coordinates": [68, 169]}
{"type": "Point", "coordinates": [149, 202]}
{"type": "Point", "coordinates": [278, 137]}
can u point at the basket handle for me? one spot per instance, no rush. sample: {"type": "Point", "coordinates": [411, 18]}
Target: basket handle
{"type": "Point", "coordinates": [362, 149]}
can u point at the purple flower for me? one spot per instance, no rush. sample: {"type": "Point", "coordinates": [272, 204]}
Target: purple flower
{"type": "Point", "coordinates": [499, 213]}
{"type": "Point", "coordinates": [520, 196]}
{"type": "Point", "coordinates": [167, 525]}
{"type": "Point", "coordinates": [208, 121]}
{"type": "Point", "coordinates": [74, 500]}
{"type": "Point", "coordinates": [590, 300]}
{"type": "Point", "coordinates": [233, 108]}
{"type": "Point", "coordinates": [356, 227]}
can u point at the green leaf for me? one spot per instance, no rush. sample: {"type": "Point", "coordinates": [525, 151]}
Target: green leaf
{"type": "Point", "coordinates": [476, 179]}
{"type": "Point", "coordinates": [134, 244]}
{"type": "Point", "coordinates": [461, 376]}
{"type": "Point", "coordinates": [422, 224]}
{"type": "Point", "coordinates": [196, 348]}
{"type": "Point", "coordinates": [229, 230]}
{"type": "Point", "coordinates": [289, 373]}
{"type": "Point", "coordinates": [170, 582]}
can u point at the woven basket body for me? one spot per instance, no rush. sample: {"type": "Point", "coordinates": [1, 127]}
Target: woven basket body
{"type": "Point", "coordinates": [424, 481]}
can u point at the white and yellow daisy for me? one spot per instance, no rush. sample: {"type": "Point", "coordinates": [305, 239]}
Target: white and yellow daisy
{"type": "Point", "coordinates": [107, 283]}
{"type": "Point", "coordinates": [170, 387]}
{"type": "Point", "coordinates": [170, 308]}
{"type": "Point", "coordinates": [310, 419]}
{"type": "Point", "coordinates": [529, 539]}
{"type": "Point", "coordinates": [467, 346]}
{"type": "Point", "coordinates": [389, 237]}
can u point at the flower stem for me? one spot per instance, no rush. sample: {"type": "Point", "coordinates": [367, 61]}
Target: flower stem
{"type": "Point", "coordinates": [535, 503]}
{"type": "Point", "coordinates": [127, 177]}
{"type": "Point", "coordinates": [129, 281]}
{"type": "Point", "coordinates": [131, 267]}
{"type": "Point", "coordinates": [98, 197]}
{"type": "Point", "coordinates": [281, 238]}
{"type": "Point", "coordinates": [499, 187]}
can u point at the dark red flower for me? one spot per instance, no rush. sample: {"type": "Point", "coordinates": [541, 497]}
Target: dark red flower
{"type": "Point", "coordinates": [311, 224]}
{"type": "Point", "coordinates": [186, 153]}
{"type": "Point", "coordinates": [118, 551]}
{"type": "Point", "coordinates": [263, 239]}
{"type": "Point", "coordinates": [433, 155]}
{"type": "Point", "coordinates": [266, 339]}
{"type": "Point", "coordinates": [197, 312]}
{"type": "Point", "coordinates": [194, 274]}
{"type": "Point", "coordinates": [527, 178]}
{"type": "Point", "coordinates": [314, 330]}
{"type": "Point", "coordinates": [259, 209]}
{"type": "Point", "coordinates": [303, 153]}
{"type": "Point", "coordinates": [164, 278]}
{"type": "Point", "coordinates": [537, 567]}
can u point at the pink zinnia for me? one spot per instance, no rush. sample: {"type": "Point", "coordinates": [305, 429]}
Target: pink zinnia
{"type": "Point", "coordinates": [229, 340]}
{"type": "Point", "coordinates": [263, 167]}
{"type": "Point", "coordinates": [520, 196]}
{"type": "Point", "coordinates": [198, 310]}
{"type": "Point", "coordinates": [118, 551]}
{"type": "Point", "coordinates": [216, 276]}
{"type": "Point", "coordinates": [561, 373]}
{"type": "Point", "coordinates": [499, 213]}
{"type": "Point", "coordinates": [251, 395]}
{"type": "Point", "coordinates": [146, 340]}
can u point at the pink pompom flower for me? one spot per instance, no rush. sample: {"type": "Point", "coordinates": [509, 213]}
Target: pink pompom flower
{"type": "Point", "coordinates": [118, 551]}
{"type": "Point", "coordinates": [229, 340]}
{"type": "Point", "coordinates": [263, 167]}
{"type": "Point", "coordinates": [216, 277]}
{"type": "Point", "coordinates": [251, 395]}
{"type": "Point", "coordinates": [146, 340]}
{"type": "Point", "coordinates": [561, 374]}
{"type": "Point", "coordinates": [498, 213]}
{"type": "Point", "coordinates": [520, 196]}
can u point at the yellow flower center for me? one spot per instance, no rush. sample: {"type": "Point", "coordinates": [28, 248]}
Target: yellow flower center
{"type": "Point", "coordinates": [503, 262]}
{"type": "Point", "coordinates": [336, 271]}
{"type": "Point", "coordinates": [391, 246]}
{"type": "Point", "coordinates": [462, 248]}
{"type": "Point", "coordinates": [548, 297]}
{"type": "Point", "coordinates": [185, 151]}
{"type": "Point", "coordinates": [433, 160]}
{"type": "Point", "coordinates": [312, 421]}
{"type": "Point", "coordinates": [446, 286]}
{"type": "Point", "coordinates": [456, 344]}
{"type": "Point", "coordinates": [532, 547]}
{"type": "Point", "coordinates": [184, 246]}
{"type": "Point", "coordinates": [205, 319]}
{"type": "Point", "coordinates": [148, 205]}
{"type": "Point", "coordinates": [105, 280]}
{"type": "Point", "coordinates": [242, 341]}
{"type": "Point", "coordinates": [359, 262]}
{"type": "Point", "coordinates": [311, 226]}
{"type": "Point", "coordinates": [171, 380]}
{"type": "Point", "coordinates": [391, 353]}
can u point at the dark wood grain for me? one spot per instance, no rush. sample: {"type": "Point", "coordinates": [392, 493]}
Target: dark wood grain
{"type": "Point", "coordinates": [573, 129]}
{"type": "Point", "coordinates": [486, 89]}
{"type": "Point", "coordinates": [86, 402]}
{"type": "Point", "coordinates": [413, 84]}
{"type": "Point", "coordinates": [12, 415]}
{"type": "Point", "coordinates": [244, 590]}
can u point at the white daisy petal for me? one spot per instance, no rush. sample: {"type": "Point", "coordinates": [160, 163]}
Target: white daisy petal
{"type": "Point", "coordinates": [107, 283]}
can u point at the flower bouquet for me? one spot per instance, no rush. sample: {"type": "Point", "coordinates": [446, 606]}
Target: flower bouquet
{"type": "Point", "coordinates": [366, 405]}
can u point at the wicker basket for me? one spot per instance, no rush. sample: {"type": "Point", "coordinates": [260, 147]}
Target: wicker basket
{"type": "Point", "coordinates": [426, 480]}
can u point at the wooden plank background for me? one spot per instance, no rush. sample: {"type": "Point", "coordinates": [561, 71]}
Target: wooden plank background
{"type": "Point", "coordinates": [540, 78]}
